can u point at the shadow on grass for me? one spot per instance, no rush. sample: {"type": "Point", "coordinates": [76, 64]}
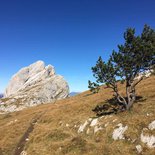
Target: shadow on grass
{"type": "Point", "coordinates": [112, 106]}
{"type": "Point", "coordinates": [140, 99]}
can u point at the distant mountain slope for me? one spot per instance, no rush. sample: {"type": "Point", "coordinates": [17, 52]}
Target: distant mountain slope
{"type": "Point", "coordinates": [74, 93]}
{"type": "Point", "coordinates": [1, 95]}
{"type": "Point", "coordinates": [71, 127]}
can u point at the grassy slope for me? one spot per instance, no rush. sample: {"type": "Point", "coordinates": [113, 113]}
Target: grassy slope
{"type": "Point", "coordinates": [56, 130]}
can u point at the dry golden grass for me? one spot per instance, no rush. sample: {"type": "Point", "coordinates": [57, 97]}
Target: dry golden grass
{"type": "Point", "coordinates": [55, 132]}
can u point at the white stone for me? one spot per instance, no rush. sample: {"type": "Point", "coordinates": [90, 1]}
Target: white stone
{"type": "Point", "coordinates": [88, 131]}
{"type": "Point", "coordinates": [94, 122]}
{"type": "Point", "coordinates": [23, 153]}
{"type": "Point", "coordinates": [96, 129]}
{"type": "Point", "coordinates": [152, 125]}
{"type": "Point", "coordinates": [34, 85]}
{"type": "Point", "coordinates": [106, 124]}
{"type": "Point", "coordinates": [148, 140]}
{"type": "Point", "coordinates": [83, 126]}
{"type": "Point", "coordinates": [67, 125]}
{"type": "Point", "coordinates": [114, 120]}
{"type": "Point", "coordinates": [90, 119]}
{"type": "Point", "coordinates": [118, 132]}
{"type": "Point", "coordinates": [102, 117]}
{"type": "Point", "coordinates": [120, 124]}
{"type": "Point", "coordinates": [146, 74]}
{"type": "Point", "coordinates": [139, 148]}
{"type": "Point", "coordinates": [60, 123]}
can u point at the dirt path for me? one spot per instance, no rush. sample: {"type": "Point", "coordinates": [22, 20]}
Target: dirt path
{"type": "Point", "coordinates": [25, 137]}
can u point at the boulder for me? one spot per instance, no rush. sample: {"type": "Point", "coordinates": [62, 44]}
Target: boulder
{"type": "Point", "coordinates": [33, 85]}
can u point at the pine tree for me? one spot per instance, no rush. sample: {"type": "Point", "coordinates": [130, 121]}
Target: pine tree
{"type": "Point", "coordinates": [134, 57]}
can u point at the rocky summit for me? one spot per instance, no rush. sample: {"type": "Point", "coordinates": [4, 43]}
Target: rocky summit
{"type": "Point", "coordinates": [33, 85]}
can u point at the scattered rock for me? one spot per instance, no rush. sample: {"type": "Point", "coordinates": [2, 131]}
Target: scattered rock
{"type": "Point", "coordinates": [94, 122]}
{"type": "Point", "coordinates": [97, 128]}
{"type": "Point", "coordinates": [148, 140]}
{"type": "Point", "coordinates": [82, 127]}
{"type": "Point", "coordinates": [139, 148]}
{"type": "Point", "coordinates": [114, 120]}
{"type": "Point", "coordinates": [106, 124]}
{"type": "Point", "coordinates": [26, 139]}
{"type": "Point", "coordinates": [90, 122]}
{"type": "Point", "coordinates": [133, 140]}
{"type": "Point", "coordinates": [23, 153]}
{"type": "Point", "coordinates": [60, 123]}
{"type": "Point", "coordinates": [118, 132]}
{"type": "Point", "coordinates": [67, 125]}
{"type": "Point", "coordinates": [152, 125]}
{"type": "Point", "coordinates": [12, 122]}
{"type": "Point", "coordinates": [88, 131]}
{"type": "Point", "coordinates": [102, 117]}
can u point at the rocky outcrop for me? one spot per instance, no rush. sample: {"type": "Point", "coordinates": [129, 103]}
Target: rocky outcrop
{"type": "Point", "coordinates": [92, 124]}
{"type": "Point", "coordinates": [144, 74]}
{"type": "Point", "coordinates": [147, 137]}
{"type": "Point", "coordinates": [118, 132]}
{"type": "Point", "coordinates": [33, 85]}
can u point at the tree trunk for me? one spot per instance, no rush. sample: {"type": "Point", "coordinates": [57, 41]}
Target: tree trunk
{"type": "Point", "coordinates": [119, 97]}
{"type": "Point", "coordinates": [131, 96]}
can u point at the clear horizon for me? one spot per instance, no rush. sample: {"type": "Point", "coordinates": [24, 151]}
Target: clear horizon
{"type": "Point", "coordinates": [70, 35]}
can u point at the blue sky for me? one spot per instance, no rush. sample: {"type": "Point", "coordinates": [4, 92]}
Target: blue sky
{"type": "Point", "coordinates": [69, 34]}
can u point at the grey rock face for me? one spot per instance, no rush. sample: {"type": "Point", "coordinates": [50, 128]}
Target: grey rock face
{"type": "Point", "coordinates": [33, 85]}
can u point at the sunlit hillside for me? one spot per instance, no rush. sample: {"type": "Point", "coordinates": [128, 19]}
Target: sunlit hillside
{"type": "Point", "coordinates": [70, 126]}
